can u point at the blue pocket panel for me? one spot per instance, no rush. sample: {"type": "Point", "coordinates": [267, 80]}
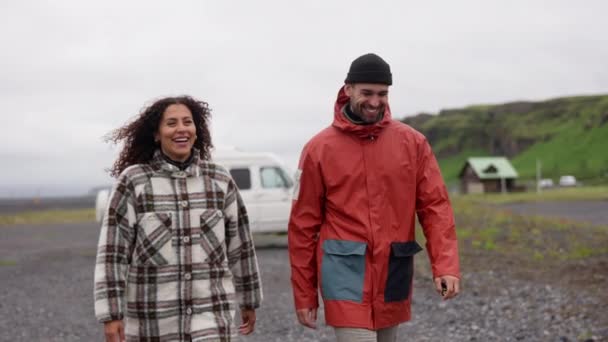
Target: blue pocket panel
{"type": "Point", "coordinates": [343, 270]}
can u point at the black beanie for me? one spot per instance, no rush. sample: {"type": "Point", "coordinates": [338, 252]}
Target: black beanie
{"type": "Point", "coordinates": [369, 68]}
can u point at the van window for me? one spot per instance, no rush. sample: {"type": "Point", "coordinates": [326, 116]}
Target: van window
{"type": "Point", "coordinates": [274, 177]}
{"type": "Point", "coordinates": [286, 177]}
{"type": "Point", "coordinates": [242, 178]}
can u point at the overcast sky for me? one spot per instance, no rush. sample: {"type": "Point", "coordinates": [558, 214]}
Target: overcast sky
{"type": "Point", "coordinates": [71, 71]}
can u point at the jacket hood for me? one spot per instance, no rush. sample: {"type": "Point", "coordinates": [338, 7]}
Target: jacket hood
{"type": "Point", "coordinates": [362, 131]}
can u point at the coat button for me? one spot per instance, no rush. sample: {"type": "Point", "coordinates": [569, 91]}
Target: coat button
{"type": "Point", "coordinates": [184, 204]}
{"type": "Point", "coordinates": [188, 276]}
{"type": "Point", "coordinates": [189, 311]}
{"type": "Point", "coordinates": [186, 239]}
{"type": "Point", "coordinates": [220, 214]}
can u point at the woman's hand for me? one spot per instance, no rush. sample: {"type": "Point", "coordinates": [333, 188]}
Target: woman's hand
{"type": "Point", "coordinates": [248, 321]}
{"type": "Point", "coordinates": [114, 331]}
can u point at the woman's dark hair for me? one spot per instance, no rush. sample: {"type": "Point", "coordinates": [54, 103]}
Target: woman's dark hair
{"type": "Point", "coordinates": [138, 135]}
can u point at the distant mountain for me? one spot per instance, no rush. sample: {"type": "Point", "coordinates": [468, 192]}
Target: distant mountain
{"type": "Point", "coordinates": [568, 135]}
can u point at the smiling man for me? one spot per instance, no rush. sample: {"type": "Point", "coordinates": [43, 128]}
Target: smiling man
{"type": "Point", "coordinates": [361, 183]}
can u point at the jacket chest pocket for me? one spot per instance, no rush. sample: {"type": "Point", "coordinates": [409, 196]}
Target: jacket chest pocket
{"type": "Point", "coordinates": [343, 270]}
{"type": "Point", "coordinates": [153, 240]}
{"type": "Point", "coordinates": [400, 270]}
{"type": "Point", "coordinates": [213, 236]}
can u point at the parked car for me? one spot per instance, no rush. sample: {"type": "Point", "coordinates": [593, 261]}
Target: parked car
{"type": "Point", "coordinates": [546, 183]}
{"type": "Point", "coordinates": [264, 184]}
{"type": "Point", "coordinates": [567, 180]}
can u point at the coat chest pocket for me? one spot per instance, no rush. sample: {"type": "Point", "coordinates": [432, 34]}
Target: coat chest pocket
{"type": "Point", "coordinates": [213, 236]}
{"type": "Point", "coordinates": [400, 270]}
{"type": "Point", "coordinates": [343, 270]}
{"type": "Point", "coordinates": [153, 240]}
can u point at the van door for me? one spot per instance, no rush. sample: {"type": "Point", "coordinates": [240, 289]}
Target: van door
{"type": "Point", "coordinates": [243, 178]}
{"type": "Point", "coordinates": [273, 198]}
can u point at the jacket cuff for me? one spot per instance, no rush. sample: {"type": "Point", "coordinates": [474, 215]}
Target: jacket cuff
{"type": "Point", "coordinates": [249, 306]}
{"type": "Point", "coordinates": [452, 273]}
{"type": "Point", "coordinates": [307, 303]}
{"type": "Point", "coordinates": [109, 318]}
{"type": "Point", "coordinates": [448, 274]}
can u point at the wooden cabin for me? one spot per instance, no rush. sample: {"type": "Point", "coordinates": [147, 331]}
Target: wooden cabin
{"type": "Point", "coordinates": [487, 174]}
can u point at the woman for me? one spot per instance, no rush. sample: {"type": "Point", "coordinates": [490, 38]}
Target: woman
{"type": "Point", "coordinates": [175, 252]}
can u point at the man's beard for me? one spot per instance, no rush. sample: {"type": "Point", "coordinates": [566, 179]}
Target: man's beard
{"type": "Point", "coordinates": [358, 109]}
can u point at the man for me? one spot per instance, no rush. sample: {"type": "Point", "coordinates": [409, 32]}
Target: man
{"type": "Point", "coordinates": [360, 184]}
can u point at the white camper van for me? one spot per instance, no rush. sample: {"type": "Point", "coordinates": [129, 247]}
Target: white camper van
{"type": "Point", "coordinates": [264, 184]}
{"type": "Point", "coordinates": [263, 181]}
{"type": "Point", "coordinates": [101, 201]}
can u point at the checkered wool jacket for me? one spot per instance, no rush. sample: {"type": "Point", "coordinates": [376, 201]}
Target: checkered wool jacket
{"type": "Point", "coordinates": [175, 253]}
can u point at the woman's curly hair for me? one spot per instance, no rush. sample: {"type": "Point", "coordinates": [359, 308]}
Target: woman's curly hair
{"type": "Point", "coordinates": [138, 135]}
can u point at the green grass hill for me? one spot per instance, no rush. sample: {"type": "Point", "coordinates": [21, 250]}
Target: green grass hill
{"type": "Point", "coordinates": [568, 135]}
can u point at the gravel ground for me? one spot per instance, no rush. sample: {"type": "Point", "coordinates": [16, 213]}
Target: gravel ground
{"type": "Point", "coordinates": [46, 278]}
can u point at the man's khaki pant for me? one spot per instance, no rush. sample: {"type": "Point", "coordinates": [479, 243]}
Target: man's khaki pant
{"type": "Point", "coordinates": [364, 335]}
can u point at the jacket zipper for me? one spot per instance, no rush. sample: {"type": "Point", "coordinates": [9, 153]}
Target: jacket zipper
{"type": "Point", "coordinates": [371, 258]}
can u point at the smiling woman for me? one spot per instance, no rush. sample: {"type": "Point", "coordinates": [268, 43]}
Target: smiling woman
{"type": "Point", "coordinates": [175, 124]}
{"type": "Point", "coordinates": [175, 254]}
{"type": "Point", "coordinates": [176, 132]}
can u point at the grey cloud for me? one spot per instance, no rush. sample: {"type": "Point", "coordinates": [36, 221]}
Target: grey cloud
{"type": "Point", "coordinates": [71, 71]}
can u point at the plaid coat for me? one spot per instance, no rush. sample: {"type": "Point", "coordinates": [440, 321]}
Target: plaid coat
{"type": "Point", "coordinates": [175, 253]}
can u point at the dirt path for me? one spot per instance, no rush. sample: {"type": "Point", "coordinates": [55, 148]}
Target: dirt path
{"type": "Point", "coordinates": [594, 212]}
{"type": "Point", "coordinates": [17, 205]}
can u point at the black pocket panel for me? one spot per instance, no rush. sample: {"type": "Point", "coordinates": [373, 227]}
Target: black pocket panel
{"type": "Point", "coordinates": [400, 270]}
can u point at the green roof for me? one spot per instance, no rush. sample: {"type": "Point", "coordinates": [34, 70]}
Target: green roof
{"type": "Point", "coordinates": [492, 167]}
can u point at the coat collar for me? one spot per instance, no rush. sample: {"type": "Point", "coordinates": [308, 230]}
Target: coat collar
{"type": "Point", "coordinates": [159, 164]}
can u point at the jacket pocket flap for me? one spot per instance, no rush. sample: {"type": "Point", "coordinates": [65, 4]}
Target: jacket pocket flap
{"type": "Point", "coordinates": [211, 217]}
{"type": "Point", "coordinates": [152, 218]}
{"type": "Point", "coordinates": [165, 218]}
{"type": "Point", "coordinates": [404, 249]}
{"type": "Point", "coordinates": [341, 247]}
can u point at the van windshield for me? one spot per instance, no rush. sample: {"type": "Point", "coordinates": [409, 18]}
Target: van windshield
{"type": "Point", "coordinates": [274, 177]}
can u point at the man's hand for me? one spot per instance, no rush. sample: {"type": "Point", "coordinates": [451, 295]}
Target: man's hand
{"type": "Point", "coordinates": [114, 331]}
{"type": "Point", "coordinates": [307, 317]}
{"type": "Point", "coordinates": [451, 286]}
{"type": "Point", "coordinates": [248, 321]}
